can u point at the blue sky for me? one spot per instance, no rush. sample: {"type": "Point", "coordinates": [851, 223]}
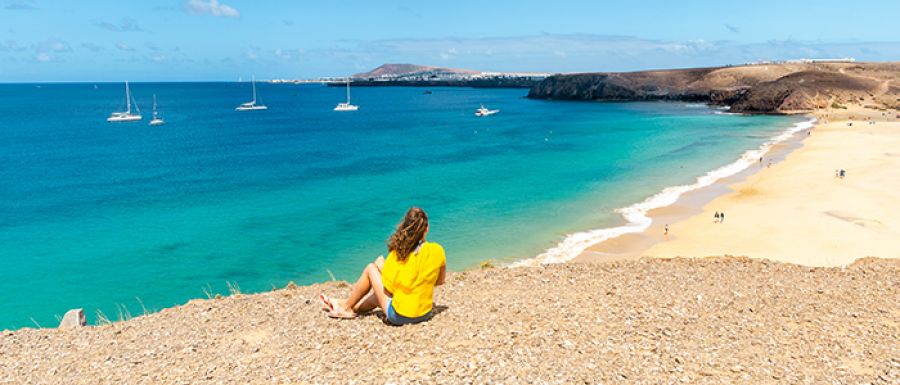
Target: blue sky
{"type": "Point", "coordinates": [105, 40]}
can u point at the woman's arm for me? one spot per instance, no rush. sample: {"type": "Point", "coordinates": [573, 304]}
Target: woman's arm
{"type": "Point", "coordinates": [441, 276]}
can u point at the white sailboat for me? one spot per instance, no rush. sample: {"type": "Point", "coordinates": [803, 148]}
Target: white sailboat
{"type": "Point", "coordinates": [251, 105]}
{"type": "Point", "coordinates": [157, 120]}
{"type": "Point", "coordinates": [127, 115]}
{"type": "Point", "coordinates": [346, 106]}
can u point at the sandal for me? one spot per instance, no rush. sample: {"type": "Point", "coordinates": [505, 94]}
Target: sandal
{"type": "Point", "coordinates": [342, 314]}
{"type": "Point", "coordinates": [329, 305]}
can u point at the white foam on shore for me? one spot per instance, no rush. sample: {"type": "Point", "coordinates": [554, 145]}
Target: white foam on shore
{"type": "Point", "coordinates": [636, 215]}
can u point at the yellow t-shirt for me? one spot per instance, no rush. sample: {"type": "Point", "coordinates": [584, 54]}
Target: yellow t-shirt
{"type": "Point", "coordinates": [412, 281]}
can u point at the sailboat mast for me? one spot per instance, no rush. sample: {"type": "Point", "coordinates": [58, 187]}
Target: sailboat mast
{"type": "Point", "coordinates": [127, 97]}
{"type": "Point", "coordinates": [348, 90]}
{"type": "Point", "coordinates": [254, 89]}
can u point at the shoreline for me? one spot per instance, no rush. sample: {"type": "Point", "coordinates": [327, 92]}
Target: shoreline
{"type": "Point", "coordinates": [778, 205]}
{"type": "Point", "coordinates": [639, 217]}
{"type": "Point", "coordinates": [689, 204]}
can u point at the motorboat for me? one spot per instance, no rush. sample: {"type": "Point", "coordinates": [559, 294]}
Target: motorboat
{"type": "Point", "coordinates": [482, 111]}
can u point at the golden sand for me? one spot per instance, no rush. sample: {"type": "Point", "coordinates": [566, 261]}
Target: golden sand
{"type": "Point", "coordinates": [796, 210]}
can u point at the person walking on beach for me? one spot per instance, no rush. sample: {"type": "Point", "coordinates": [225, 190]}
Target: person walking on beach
{"type": "Point", "coordinates": [667, 230]}
{"type": "Point", "coordinates": [402, 284]}
{"type": "Point", "coordinates": [722, 217]}
{"type": "Point", "coordinates": [716, 217]}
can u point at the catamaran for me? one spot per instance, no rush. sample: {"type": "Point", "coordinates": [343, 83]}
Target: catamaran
{"type": "Point", "coordinates": [485, 112]}
{"type": "Point", "coordinates": [251, 105]}
{"type": "Point", "coordinates": [126, 116]}
{"type": "Point", "coordinates": [346, 106]}
{"type": "Point", "coordinates": [157, 120]}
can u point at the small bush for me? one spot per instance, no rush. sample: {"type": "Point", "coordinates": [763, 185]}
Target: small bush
{"type": "Point", "coordinates": [838, 106]}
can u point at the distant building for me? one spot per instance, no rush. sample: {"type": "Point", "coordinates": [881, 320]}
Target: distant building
{"type": "Point", "coordinates": [803, 61]}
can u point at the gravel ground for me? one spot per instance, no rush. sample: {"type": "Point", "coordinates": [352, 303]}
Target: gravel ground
{"type": "Point", "coordinates": [693, 321]}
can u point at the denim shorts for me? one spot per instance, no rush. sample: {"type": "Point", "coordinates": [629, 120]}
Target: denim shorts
{"type": "Point", "coordinates": [398, 320]}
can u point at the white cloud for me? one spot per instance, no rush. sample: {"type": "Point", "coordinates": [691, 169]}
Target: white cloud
{"type": "Point", "coordinates": [10, 46]}
{"type": "Point", "coordinates": [689, 47]}
{"type": "Point", "coordinates": [211, 7]}
{"type": "Point", "coordinates": [45, 51]}
{"type": "Point", "coordinates": [126, 25]}
{"type": "Point", "coordinates": [582, 52]}
{"type": "Point", "coordinates": [59, 46]}
{"type": "Point", "coordinates": [124, 47]}
{"type": "Point", "coordinates": [449, 53]}
{"type": "Point", "coordinates": [52, 45]}
{"type": "Point", "coordinates": [91, 47]}
{"type": "Point", "coordinates": [20, 5]}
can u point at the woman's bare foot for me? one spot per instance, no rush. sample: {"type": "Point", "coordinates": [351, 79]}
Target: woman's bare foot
{"type": "Point", "coordinates": [340, 312]}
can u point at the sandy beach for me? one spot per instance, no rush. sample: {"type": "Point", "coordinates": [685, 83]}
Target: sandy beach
{"type": "Point", "coordinates": [791, 207]}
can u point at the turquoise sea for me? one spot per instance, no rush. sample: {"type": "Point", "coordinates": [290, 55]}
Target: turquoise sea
{"type": "Point", "coordinates": [101, 216]}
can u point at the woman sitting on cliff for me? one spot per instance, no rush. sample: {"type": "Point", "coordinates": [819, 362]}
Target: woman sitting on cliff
{"type": "Point", "coordinates": [403, 284]}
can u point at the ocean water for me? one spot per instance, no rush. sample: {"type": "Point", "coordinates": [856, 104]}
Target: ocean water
{"type": "Point", "coordinates": [110, 216]}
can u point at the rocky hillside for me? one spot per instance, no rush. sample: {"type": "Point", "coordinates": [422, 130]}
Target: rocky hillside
{"type": "Point", "coordinates": [764, 88]}
{"type": "Point", "coordinates": [687, 321]}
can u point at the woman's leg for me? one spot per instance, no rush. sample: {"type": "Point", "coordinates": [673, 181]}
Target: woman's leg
{"type": "Point", "coordinates": [379, 263]}
{"type": "Point", "coordinates": [370, 279]}
{"type": "Point", "coordinates": [359, 289]}
{"type": "Point", "coordinates": [370, 301]}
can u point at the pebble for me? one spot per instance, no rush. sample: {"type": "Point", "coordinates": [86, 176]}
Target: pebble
{"type": "Point", "coordinates": [644, 321]}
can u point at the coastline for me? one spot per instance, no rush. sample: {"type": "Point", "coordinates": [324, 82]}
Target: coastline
{"type": "Point", "coordinates": [690, 204]}
{"type": "Point", "coordinates": [673, 202]}
{"type": "Point", "coordinates": [774, 208]}
{"type": "Point", "coordinates": [697, 320]}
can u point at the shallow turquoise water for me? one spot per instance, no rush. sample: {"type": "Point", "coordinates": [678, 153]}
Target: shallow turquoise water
{"type": "Point", "coordinates": [97, 214]}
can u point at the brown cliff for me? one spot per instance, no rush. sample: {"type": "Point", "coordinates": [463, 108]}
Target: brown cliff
{"type": "Point", "coordinates": [761, 88]}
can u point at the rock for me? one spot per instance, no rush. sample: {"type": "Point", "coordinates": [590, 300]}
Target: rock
{"type": "Point", "coordinates": [73, 319]}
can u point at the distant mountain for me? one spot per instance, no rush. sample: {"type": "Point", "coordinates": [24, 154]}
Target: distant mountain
{"type": "Point", "coordinates": [403, 70]}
